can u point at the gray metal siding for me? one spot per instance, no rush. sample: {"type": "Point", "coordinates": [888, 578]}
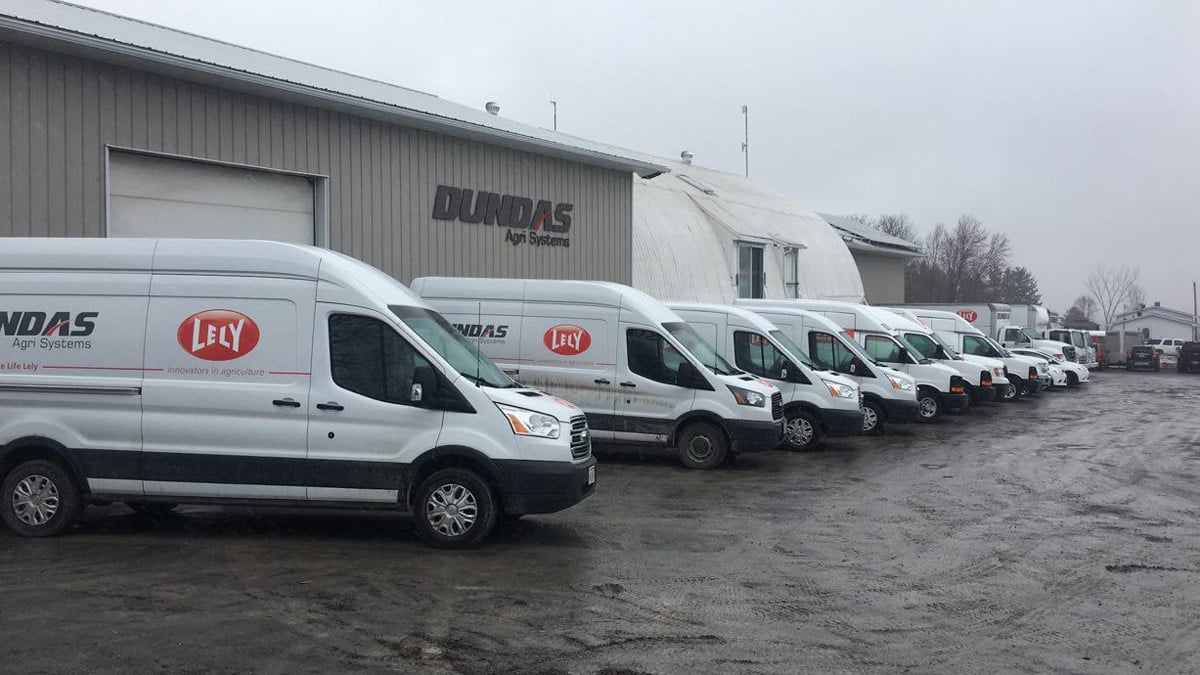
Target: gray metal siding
{"type": "Point", "coordinates": [882, 277]}
{"type": "Point", "coordinates": [58, 112]}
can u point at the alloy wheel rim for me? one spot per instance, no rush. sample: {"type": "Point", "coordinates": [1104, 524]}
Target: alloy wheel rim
{"type": "Point", "coordinates": [452, 510]}
{"type": "Point", "coordinates": [870, 419]}
{"type": "Point", "coordinates": [700, 448]}
{"type": "Point", "coordinates": [928, 407]}
{"type": "Point", "coordinates": [35, 500]}
{"type": "Point", "coordinates": [799, 432]}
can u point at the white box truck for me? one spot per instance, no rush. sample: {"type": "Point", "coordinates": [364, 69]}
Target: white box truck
{"type": "Point", "coordinates": [636, 368]}
{"type": "Point", "coordinates": [163, 372]}
{"type": "Point", "coordinates": [1085, 353]}
{"type": "Point", "coordinates": [1024, 374]}
{"type": "Point", "coordinates": [816, 402]}
{"type": "Point", "coordinates": [996, 320]}
{"type": "Point", "coordinates": [939, 389]}
{"type": "Point", "coordinates": [985, 376]}
{"type": "Point", "coordinates": [888, 395]}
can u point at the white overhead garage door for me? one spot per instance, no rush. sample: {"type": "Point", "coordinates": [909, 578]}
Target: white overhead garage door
{"type": "Point", "coordinates": [163, 197]}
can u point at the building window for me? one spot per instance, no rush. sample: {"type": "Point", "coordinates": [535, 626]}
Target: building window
{"type": "Point", "coordinates": [750, 276]}
{"type": "Point", "coordinates": [791, 273]}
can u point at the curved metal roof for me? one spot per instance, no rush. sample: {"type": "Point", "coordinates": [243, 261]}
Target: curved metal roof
{"type": "Point", "coordinates": [685, 232]}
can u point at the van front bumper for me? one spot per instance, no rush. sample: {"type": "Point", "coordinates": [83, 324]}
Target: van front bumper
{"type": "Point", "coordinates": [987, 393]}
{"type": "Point", "coordinates": [955, 402]}
{"type": "Point", "coordinates": [544, 487]}
{"type": "Point", "coordinates": [749, 436]}
{"type": "Point", "coordinates": [901, 412]}
{"type": "Point", "coordinates": [842, 422]}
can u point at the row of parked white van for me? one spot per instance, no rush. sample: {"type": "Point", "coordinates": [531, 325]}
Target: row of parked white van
{"type": "Point", "coordinates": [163, 372]}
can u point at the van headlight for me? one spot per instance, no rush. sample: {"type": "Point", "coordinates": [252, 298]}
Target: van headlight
{"type": "Point", "coordinates": [902, 385]}
{"type": "Point", "coordinates": [998, 371]}
{"type": "Point", "coordinates": [747, 397]}
{"type": "Point", "coordinates": [529, 423]}
{"type": "Point", "coordinates": [839, 390]}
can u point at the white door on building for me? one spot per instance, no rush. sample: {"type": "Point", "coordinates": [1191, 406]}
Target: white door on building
{"type": "Point", "coordinates": [151, 196]}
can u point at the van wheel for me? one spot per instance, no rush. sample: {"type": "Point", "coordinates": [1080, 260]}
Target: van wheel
{"type": "Point", "coordinates": [1009, 392]}
{"type": "Point", "coordinates": [39, 499]}
{"type": "Point", "coordinates": [155, 509]}
{"type": "Point", "coordinates": [801, 431]}
{"type": "Point", "coordinates": [454, 508]}
{"type": "Point", "coordinates": [872, 414]}
{"type": "Point", "coordinates": [1072, 380]}
{"type": "Point", "coordinates": [930, 405]}
{"type": "Point", "coordinates": [702, 446]}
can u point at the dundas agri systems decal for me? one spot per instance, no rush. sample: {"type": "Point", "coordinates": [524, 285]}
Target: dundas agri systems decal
{"type": "Point", "coordinates": [218, 335]}
{"type": "Point", "coordinates": [567, 340]}
{"type": "Point", "coordinates": [969, 314]}
{"type": "Point", "coordinates": [541, 224]}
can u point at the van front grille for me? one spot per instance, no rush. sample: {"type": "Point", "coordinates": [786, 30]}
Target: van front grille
{"type": "Point", "coordinates": [776, 406]}
{"type": "Point", "coordinates": [581, 438]}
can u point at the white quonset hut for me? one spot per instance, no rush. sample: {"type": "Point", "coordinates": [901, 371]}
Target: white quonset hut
{"type": "Point", "coordinates": [709, 236]}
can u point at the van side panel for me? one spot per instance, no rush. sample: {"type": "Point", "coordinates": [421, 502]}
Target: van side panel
{"type": "Point", "coordinates": [71, 365]}
{"type": "Point", "coordinates": [226, 390]}
{"type": "Point", "coordinates": [571, 352]}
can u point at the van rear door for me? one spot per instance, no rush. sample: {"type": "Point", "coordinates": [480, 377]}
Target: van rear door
{"type": "Point", "coordinates": [225, 396]}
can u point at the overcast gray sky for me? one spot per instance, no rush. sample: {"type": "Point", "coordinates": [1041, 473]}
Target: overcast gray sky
{"type": "Point", "coordinates": [1072, 126]}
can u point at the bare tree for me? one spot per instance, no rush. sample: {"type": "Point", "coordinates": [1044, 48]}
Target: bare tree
{"type": "Point", "coordinates": [1112, 287]}
{"type": "Point", "coordinates": [897, 225]}
{"type": "Point", "coordinates": [1137, 297]}
{"type": "Point", "coordinates": [1086, 305]}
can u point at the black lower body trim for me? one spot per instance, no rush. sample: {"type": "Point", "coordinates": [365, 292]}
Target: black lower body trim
{"type": "Point", "coordinates": [842, 422]}
{"type": "Point", "coordinates": [955, 402]}
{"type": "Point", "coordinates": [545, 487]}
{"type": "Point", "coordinates": [901, 412]}
{"type": "Point", "coordinates": [746, 436]}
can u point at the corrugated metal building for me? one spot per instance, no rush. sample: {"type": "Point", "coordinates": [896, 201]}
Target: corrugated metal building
{"type": "Point", "coordinates": [710, 236]}
{"type": "Point", "coordinates": [115, 127]}
{"type": "Point", "coordinates": [881, 258]}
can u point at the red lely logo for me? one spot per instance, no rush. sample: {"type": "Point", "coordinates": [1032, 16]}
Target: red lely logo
{"type": "Point", "coordinates": [567, 340]}
{"type": "Point", "coordinates": [218, 334]}
{"type": "Point", "coordinates": [968, 314]}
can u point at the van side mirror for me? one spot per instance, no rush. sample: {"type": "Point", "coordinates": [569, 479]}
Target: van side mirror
{"type": "Point", "coordinates": [854, 366]}
{"type": "Point", "coordinates": [424, 387]}
{"type": "Point", "coordinates": [689, 376]}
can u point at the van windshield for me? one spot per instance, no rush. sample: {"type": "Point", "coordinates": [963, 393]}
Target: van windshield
{"type": "Point", "coordinates": [1030, 334]}
{"type": "Point", "coordinates": [792, 349]}
{"type": "Point", "coordinates": [1000, 349]}
{"type": "Point", "coordinates": [950, 351]}
{"type": "Point", "coordinates": [452, 346]}
{"type": "Point", "coordinates": [700, 349]}
{"type": "Point", "coordinates": [858, 351]}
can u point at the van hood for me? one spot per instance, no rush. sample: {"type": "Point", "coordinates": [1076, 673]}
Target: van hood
{"type": "Point", "coordinates": [984, 361]}
{"type": "Point", "coordinates": [751, 382]}
{"type": "Point", "coordinates": [537, 401]}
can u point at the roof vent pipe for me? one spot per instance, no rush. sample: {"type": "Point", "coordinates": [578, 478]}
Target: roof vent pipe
{"type": "Point", "coordinates": [492, 107]}
{"type": "Point", "coordinates": [686, 156]}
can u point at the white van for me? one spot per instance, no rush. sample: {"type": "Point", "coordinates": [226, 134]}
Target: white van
{"type": "Point", "coordinates": [816, 402]}
{"type": "Point", "coordinates": [1026, 375]}
{"type": "Point", "coordinates": [162, 372]}
{"type": "Point", "coordinates": [888, 395]}
{"type": "Point", "coordinates": [985, 376]}
{"type": "Point", "coordinates": [939, 389]}
{"type": "Point", "coordinates": [636, 368]}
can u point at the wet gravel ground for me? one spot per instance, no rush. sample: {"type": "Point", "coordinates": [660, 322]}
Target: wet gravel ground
{"type": "Point", "coordinates": [1057, 534]}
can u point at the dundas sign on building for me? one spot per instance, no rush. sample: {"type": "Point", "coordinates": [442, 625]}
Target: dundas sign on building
{"type": "Point", "coordinates": [548, 223]}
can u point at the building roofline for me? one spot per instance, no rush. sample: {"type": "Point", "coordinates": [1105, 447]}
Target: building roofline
{"type": "Point", "coordinates": [33, 23]}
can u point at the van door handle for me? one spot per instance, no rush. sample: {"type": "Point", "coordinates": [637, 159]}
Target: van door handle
{"type": "Point", "coordinates": [602, 381]}
{"type": "Point", "coordinates": [330, 406]}
{"type": "Point", "coordinates": [286, 403]}
{"type": "Point", "coordinates": [628, 384]}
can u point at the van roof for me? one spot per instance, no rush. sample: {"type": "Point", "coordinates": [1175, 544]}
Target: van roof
{"type": "Point", "coordinates": [739, 315]}
{"type": "Point", "coordinates": [961, 325]}
{"type": "Point", "coordinates": [785, 310]}
{"type": "Point", "coordinates": [561, 291]}
{"type": "Point", "coordinates": [882, 322]}
{"type": "Point", "coordinates": [240, 257]}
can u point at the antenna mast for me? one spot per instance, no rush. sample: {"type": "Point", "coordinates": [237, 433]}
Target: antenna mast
{"type": "Point", "coordinates": [746, 138]}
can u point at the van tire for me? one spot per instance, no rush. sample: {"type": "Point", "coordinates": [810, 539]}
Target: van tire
{"type": "Point", "coordinates": [1072, 380]}
{"type": "Point", "coordinates": [929, 405]}
{"type": "Point", "coordinates": [445, 502]}
{"type": "Point", "coordinates": [1010, 392]}
{"type": "Point", "coordinates": [873, 418]}
{"type": "Point", "coordinates": [801, 430]}
{"type": "Point", "coordinates": [33, 489]}
{"type": "Point", "coordinates": [702, 446]}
